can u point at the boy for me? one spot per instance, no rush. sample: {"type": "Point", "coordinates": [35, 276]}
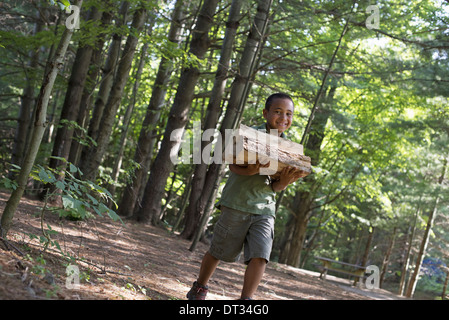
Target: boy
{"type": "Point", "coordinates": [248, 210]}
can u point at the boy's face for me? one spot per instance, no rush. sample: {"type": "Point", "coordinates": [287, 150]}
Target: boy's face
{"type": "Point", "coordinates": [280, 115]}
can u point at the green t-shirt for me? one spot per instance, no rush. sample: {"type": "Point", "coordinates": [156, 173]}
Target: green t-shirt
{"type": "Point", "coordinates": [252, 194]}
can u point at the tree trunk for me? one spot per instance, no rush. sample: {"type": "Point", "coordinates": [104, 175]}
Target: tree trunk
{"type": "Point", "coordinates": [367, 247]}
{"type": "Point", "coordinates": [195, 208]}
{"type": "Point", "coordinates": [387, 257]}
{"type": "Point", "coordinates": [425, 240]}
{"type": "Point", "coordinates": [94, 156]}
{"type": "Point", "coordinates": [147, 137]}
{"type": "Point", "coordinates": [25, 112]}
{"type": "Point", "coordinates": [127, 117]}
{"type": "Point", "coordinates": [108, 73]}
{"type": "Point", "coordinates": [40, 124]}
{"type": "Point", "coordinates": [72, 101]}
{"type": "Point", "coordinates": [178, 117]}
{"type": "Point", "coordinates": [446, 281]}
{"type": "Point", "coordinates": [89, 88]}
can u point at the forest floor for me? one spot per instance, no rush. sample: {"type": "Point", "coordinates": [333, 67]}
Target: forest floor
{"type": "Point", "coordinates": [132, 261]}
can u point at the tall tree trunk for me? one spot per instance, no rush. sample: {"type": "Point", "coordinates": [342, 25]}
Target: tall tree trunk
{"type": "Point", "coordinates": [195, 208]}
{"type": "Point", "coordinates": [368, 246]}
{"type": "Point", "coordinates": [179, 112]}
{"type": "Point", "coordinates": [387, 257]}
{"type": "Point", "coordinates": [407, 256]}
{"type": "Point", "coordinates": [446, 282]}
{"type": "Point", "coordinates": [40, 124]}
{"type": "Point", "coordinates": [80, 68]}
{"type": "Point", "coordinates": [127, 119]}
{"type": "Point", "coordinates": [425, 240]}
{"type": "Point", "coordinates": [89, 88]}
{"type": "Point", "coordinates": [147, 137]}
{"type": "Point", "coordinates": [94, 156]}
{"type": "Point", "coordinates": [28, 99]}
{"type": "Point", "coordinates": [107, 79]}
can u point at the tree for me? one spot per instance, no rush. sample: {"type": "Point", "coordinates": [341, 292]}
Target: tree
{"type": "Point", "coordinates": [93, 157]}
{"type": "Point", "coordinates": [425, 241]}
{"type": "Point", "coordinates": [25, 112]}
{"type": "Point", "coordinates": [178, 118]}
{"type": "Point", "coordinates": [39, 126]}
{"type": "Point", "coordinates": [72, 101]}
{"type": "Point", "coordinates": [195, 209]}
{"type": "Point", "coordinates": [147, 137]}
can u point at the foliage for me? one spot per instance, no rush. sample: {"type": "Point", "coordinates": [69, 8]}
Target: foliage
{"type": "Point", "coordinates": [80, 198]}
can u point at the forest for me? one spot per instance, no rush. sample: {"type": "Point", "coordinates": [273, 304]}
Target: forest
{"type": "Point", "coordinates": [94, 93]}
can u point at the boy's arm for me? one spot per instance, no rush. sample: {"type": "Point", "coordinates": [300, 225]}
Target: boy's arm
{"type": "Point", "coordinates": [288, 176]}
{"type": "Point", "coordinates": [245, 169]}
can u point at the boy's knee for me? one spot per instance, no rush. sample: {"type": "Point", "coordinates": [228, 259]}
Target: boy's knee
{"type": "Point", "coordinates": [261, 261]}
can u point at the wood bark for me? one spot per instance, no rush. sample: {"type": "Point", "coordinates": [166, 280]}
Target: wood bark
{"type": "Point", "coordinates": [250, 145]}
{"type": "Point", "coordinates": [368, 246]}
{"type": "Point", "coordinates": [178, 117]}
{"type": "Point", "coordinates": [302, 203]}
{"type": "Point", "coordinates": [127, 118]}
{"type": "Point", "coordinates": [40, 124]}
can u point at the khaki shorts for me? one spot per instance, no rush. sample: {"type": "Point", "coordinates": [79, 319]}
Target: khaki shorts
{"type": "Point", "coordinates": [236, 229]}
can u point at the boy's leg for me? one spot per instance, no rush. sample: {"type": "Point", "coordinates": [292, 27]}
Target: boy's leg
{"type": "Point", "coordinates": [253, 275]}
{"type": "Point", "coordinates": [259, 241]}
{"type": "Point", "coordinates": [200, 289]}
{"type": "Point", "coordinates": [208, 266]}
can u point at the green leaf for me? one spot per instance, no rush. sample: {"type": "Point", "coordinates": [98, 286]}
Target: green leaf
{"type": "Point", "coordinates": [46, 176]}
{"type": "Point", "coordinates": [66, 3]}
{"type": "Point", "coordinates": [94, 201]}
{"type": "Point", "coordinates": [68, 202]}
{"type": "Point", "coordinates": [73, 168]}
{"type": "Point", "coordinates": [60, 185]}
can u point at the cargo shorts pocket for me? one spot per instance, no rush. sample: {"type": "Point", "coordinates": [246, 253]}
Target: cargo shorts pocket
{"type": "Point", "coordinates": [220, 231]}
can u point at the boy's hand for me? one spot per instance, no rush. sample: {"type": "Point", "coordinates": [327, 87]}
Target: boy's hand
{"type": "Point", "coordinates": [288, 176]}
{"type": "Point", "coordinates": [248, 169]}
{"type": "Point", "coordinates": [254, 168]}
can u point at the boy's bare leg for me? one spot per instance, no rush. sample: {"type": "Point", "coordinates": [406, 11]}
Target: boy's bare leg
{"type": "Point", "coordinates": [253, 275]}
{"type": "Point", "coordinates": [208, 266]}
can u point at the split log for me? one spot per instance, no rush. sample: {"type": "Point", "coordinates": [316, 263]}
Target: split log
{"type": "Point", "coordinates": [250, 145]}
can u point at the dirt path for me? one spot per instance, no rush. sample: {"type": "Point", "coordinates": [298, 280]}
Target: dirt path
{"type": "Point", "coordinates": [133, 261]}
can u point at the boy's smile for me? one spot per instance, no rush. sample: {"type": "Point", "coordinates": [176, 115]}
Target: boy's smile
{"type": "Point", "coordinates": [280, 115]}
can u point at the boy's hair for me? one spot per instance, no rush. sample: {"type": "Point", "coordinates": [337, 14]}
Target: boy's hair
{"type": "Point", "coordinates": [276, 96]}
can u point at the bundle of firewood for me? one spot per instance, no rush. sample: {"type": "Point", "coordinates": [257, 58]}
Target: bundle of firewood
{"type": "Point", "coordinates": [250, 145]}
